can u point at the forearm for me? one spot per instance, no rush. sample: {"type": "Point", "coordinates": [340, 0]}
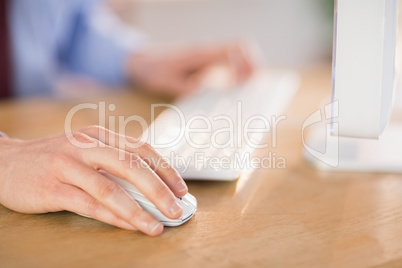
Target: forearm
{"type": "Point", "coordinates": [100, 45]}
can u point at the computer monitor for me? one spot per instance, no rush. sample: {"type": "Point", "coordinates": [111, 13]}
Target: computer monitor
{"type": "Point", "coordinates": [363, 83]}
{"type": "Point", "coordinates": [363, 66]}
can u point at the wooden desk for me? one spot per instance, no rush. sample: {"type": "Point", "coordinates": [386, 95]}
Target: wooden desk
{"type": "Point", "coordinates": [297, 216]}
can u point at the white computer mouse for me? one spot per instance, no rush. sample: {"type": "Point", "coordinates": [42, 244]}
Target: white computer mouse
{"type": "Point", "coordinates": [188, 203]}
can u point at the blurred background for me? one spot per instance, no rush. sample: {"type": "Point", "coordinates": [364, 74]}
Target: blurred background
{"type": "Point", "coordinates": [292, 33]}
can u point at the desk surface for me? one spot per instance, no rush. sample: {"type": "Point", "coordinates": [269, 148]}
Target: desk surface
{"type": "Point", "coordinates": [295, 216]}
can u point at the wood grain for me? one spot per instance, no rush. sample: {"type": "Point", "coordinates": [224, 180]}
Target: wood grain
{"type": "Point", "coordinates": [292, 217]}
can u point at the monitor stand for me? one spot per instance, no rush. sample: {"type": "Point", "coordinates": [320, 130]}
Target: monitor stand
{"type": "Point", "coordinates": [334, 153]}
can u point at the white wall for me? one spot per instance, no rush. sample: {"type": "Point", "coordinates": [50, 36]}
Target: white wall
{"type": "Point", "coordinates": [290, 32]}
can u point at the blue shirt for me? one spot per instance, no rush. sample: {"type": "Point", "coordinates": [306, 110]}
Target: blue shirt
{"type": "Point", "coordinates": [52, 37]}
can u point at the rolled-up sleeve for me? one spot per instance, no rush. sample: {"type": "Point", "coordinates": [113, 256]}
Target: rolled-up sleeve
{"type": "Point", "coordinates": [97, 44]}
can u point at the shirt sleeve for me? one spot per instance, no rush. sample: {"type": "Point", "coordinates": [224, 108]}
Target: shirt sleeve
{"type": "Point", "coordinates": [98, 44]}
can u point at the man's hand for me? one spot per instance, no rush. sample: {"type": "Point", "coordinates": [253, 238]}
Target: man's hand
{"type": "Point", "coordinates": [172, 73]}
{"type": "Point", "coordinates": [51, 175]}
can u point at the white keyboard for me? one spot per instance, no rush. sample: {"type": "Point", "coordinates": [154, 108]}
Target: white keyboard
{"type": "Point", "coordinates": [203, 135]}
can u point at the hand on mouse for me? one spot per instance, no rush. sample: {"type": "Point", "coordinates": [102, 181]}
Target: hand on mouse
{"type": "Point", "coordinates": [172, 72]}
{"type": "Point", "coordinates": [52, 174]}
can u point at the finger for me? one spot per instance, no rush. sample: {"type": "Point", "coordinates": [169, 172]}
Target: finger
{"type": "Point", "coordinates": [129, 167]}
{"type": "Point", "coordinates": [134, 170]}
{"type": "Point", "coordinates": [241, 61]}
{"type": "Point", "coordinates": [153, 158]}
{"type": "Point", "coordinates": [237, 55]}
{"type": "Point", "coordinates": [76, 200]}
{"type": "Point", "coordinates": [183, 84]}
{"type": "Point", "coordinates": [112, 196]}
{"type": "Point", "coordinates": [198, 58]}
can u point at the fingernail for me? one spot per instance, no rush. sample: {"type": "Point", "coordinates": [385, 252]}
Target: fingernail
{"type": "Point", "coordinates": [154, 225]}
{"type": "Point", "coordinates": [175, 208]}
{"type": "Point", "coordinates": [181, 187]}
